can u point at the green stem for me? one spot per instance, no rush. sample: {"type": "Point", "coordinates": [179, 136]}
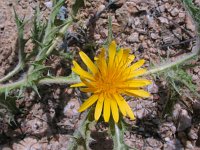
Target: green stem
{"type": "Point", "coordinates": [49, 80]}
{"type": "Point", "coordinates": [59, 38]}
{"type": "Point", "coordinates": [59, 80]}
{"type": "Point", "coordinates": [20, 42]}
{"type": "Point", "coordinates": [17, 69]}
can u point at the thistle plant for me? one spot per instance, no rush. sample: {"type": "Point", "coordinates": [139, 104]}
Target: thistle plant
{"type": "Point", "coordinates": [109, 77]}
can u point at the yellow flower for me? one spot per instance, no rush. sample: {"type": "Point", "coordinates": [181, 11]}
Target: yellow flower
{"type": "Point", "coordinates": [108, 78]}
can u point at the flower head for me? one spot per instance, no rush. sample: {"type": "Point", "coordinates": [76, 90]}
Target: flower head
{"type": "Point", "coordinates": [108, 78]}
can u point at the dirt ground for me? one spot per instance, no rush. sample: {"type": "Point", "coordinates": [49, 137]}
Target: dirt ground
{"type": "Point", "coordinates": [153, 29]}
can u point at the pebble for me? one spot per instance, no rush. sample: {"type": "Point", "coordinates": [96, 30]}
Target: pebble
{"type": "Point", "coordinates": [162, 8]}
{"type": "Point", "coordinates": [101, 7]}
{"type": "Point", "coordinates": [174, 12]}
{"type": "Point", "coordinates": [173, 145]}
{"type": "Point", "coordinates": [181, 15]}
{"type": "Point", "coordinates": [152, 88]}
{"type": "Point", "coordinates": [132, 7]}
{"type": "Point", "coordinates": [196, 69]}
{"type": "Point", "coordinates": [192, 135]}
{"type": "Point", "coordinates": [97, 36]}
{"type": "Point", "coordinates": [163, 20]}
{"type": "Point", "coordinates": [154, 36]}
{"type": "Point", "coordinates": [141, 37]}
{"type": "Point", "coordinates": [184, 121]}
{"type": "Point", "coordinates": [134, 37]}
{"type": "Point", "coordinates": [176, 111]}
{"type": "Point", "coordinates": [189, 145]}
{"type": "Point", "coordinates": [167, 6]}
{"type": "Point", "coordinates": [154, 143]}
{"type": "Point", "coordinates": [189, 24]}
{"type": "Point", "coordinates": [195, 77]}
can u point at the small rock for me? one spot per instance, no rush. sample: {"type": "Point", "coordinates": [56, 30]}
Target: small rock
{"type": "Point", "coordinates": [152, 88]}
{"type": "Point", "coordinates": [154, 143]}
{"type": "Point", "coordinates": [97, 36]}
{"type": "Point", "coordinates": [163, 20]}
{"type": "Point", "coordinates": [48, 4]}
{"type": "Point", "coordinates": [178, 32]}
{"type": "Point", "coordinates": [189, 24]}
{"type": "Point", "coordinates": [167, 129]}
{"type": "Point", "coordinates": [101, 7]}
{"type": "Point", "coordinates": [184, 121]}
{"type": "Point", "coordinates": [71, 108]}
{"type": "Point", "coordinates": [174, 12]}
{"type": "Point", "coordinates": [154, 36]}
{"type": "Point", "coordinates": [196, 69]}
{"type": "Point", "coordinates": [141, 37]}
{"type": "Point", "coordinates": [140, 113]}
{"type": "Point", "coordinates": [162, 8]}
{"type": "Point", "coordinates": [137, 21]}
{"type": "Point", "coordinates": [134, 37]}
{"type": "Point", "coordinates": [167, 139]}
{"type": "Point", "coordinates": [116, 28]}
{"type": "Point", "coordinates": [192, 135]}
{"type": "Point", "coordinates": [173, 145]}
{"type": "Point", "coordinates": [195, 77]}
{"type": "Point", "coordinates": [151, 22]}
{"type": "Point", "coordinates": [132, 7]}
{"type": "Point", "coordinates": [104, 33]}
{"type": "Point", "coordinates": [167, 6]}
{"type": "Point", "coordinates": [189, 145]}
{"type": "Point", "coordinates": [176, 111]}
{"type": "Point", "coordinates": [181, 15]}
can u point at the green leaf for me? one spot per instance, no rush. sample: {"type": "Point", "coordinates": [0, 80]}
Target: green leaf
{"type": "Point", "coordinates": [76, 6]}
{"type": "Point", "coordinates": [117, 133]}
{"type": "Point", "coordinates": [9, 103]}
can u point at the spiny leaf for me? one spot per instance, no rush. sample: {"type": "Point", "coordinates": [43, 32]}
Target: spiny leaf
{"type": "Point", "coordinates": [76, 6]}
{"type": "Point", "coordinates": [9, 103]}
{"type": "Point", "coordinates": [117, 133]}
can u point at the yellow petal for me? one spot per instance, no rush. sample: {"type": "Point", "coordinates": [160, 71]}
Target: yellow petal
{"type": "Point", "coordinates": [139, 93]}
{"type": "Point", "coordinates": [99, 107]}
{"type": "Point", "coordinates": [88, 103]}
{"type": "Point", "coordinates": [88, 62]}
{"type": "Point", "coordinates": [88, 83]}
{"type": "Point", "coordinates": [77, 69]}
{"type": "Point", "coordinates": [119, 57]}
{"type": "Point", "coordinates": [78, 84]}
{"type": "Point", "coordinates": [106, 109]}
{"type": "Point", "coordinates": [136, 73]}
{"type": "Point", "coordinates": [120, 103]}
{"type": "Point", "coordinates": [115, 112]}
{"type": "Point", "coordinates": [135, 83]}
{"type": "Point", "coordinates": [90, 90]}
{"type": "Point", "coordinates": [129, 110]}
{"type": "Point", "coordinates": [101, 62]}
{"type": "Point", "coordinates": [137, 65]}
{"type": "Point", "coordinates": [130, 59]}
{"type": "Point", "coordinates": [125, 55]}
{"type": "Point", "coordinates": [112, 52]}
